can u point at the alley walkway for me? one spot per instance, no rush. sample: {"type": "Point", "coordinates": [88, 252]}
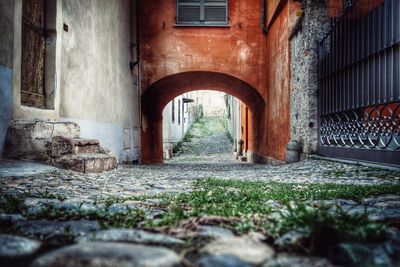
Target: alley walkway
{"type": "Point", "coordinates": [43, 208]}
{"type": "Point", "coordinates": [208, 154]}
{"type": "Point", "coordinates": [207, 143]}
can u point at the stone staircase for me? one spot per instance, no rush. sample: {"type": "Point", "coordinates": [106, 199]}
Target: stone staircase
{"type": "Point", "coordinates": [58, 144]}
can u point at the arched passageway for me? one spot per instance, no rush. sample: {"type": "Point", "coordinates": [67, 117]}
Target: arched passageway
{"type": "Point", "coordinates": [157, 96]}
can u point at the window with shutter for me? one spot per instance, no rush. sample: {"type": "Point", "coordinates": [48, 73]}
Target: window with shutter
{"type": "Point", "coordinates": [202, 12]}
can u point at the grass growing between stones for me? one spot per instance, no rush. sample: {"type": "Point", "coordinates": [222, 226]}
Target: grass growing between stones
{"type": "Point", "coordinates": [240, 198]}
{"type": "Point", "coordinates": [254, 206]}
{"type": "Point", "coordinates": [187, 138]}
{"type": "Point", "coordinates": [326, 227]}
{"type": "Point", "coordinates": [272, 208]}
{"type": "Point", "coordinates": [361, 171]}
{"type": "Point", "coordinates": [201, 128]}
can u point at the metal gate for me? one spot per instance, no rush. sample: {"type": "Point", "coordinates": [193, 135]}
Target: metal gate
{"type": "Point", "coordinates": [33, 54]}
{"type": "Point", "coordinates": [359, 83]}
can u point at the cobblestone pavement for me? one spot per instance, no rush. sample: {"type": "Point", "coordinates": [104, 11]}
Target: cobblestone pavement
{"type": "Point", "coordinates": [207, 155]}
{"type": "Point", "coordinates": [27, 237]}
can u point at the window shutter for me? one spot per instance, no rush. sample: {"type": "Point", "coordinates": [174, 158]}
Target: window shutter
{"type": "Point", "coordinates": [188, 11]}
{"type": "Point", "coordinates": [198, 12]}
{"type": "Point", "coordinates": [216, 11]}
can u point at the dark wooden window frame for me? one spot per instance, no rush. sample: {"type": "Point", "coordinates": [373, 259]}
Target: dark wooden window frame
{"type": "Point", "coordinates": [201, 5]}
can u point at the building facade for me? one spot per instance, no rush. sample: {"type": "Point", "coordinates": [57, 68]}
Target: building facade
{"type": "Point", "coordinates": [178, 116]}
{"type": "Point", "coordinates": [321, 72]}
{"type": "Point", "coordinates": [72, 61]}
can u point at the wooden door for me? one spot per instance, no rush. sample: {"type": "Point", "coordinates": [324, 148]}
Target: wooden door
{"type": "Point", "coordinates": [33, 54]}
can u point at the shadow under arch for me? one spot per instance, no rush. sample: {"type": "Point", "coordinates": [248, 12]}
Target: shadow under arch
{"type": "Point", "coordinates": [160, 93]}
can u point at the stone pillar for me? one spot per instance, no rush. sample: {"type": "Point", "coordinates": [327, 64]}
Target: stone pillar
{"type": "Point", "coordinates": [304, 74]}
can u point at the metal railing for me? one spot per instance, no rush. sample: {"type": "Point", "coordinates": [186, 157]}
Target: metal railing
{"type": "Point", "coordinates": [359, 82]}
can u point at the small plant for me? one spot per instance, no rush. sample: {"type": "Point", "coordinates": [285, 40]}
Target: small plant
{"type": "Point", "coordinates": [49, 195]}
{"type": "Point", "coordinates": [11, 203]}
{"type": "Point", "coordinates": [129, 219]}
{"type": "Point", "coordinates": [325, 227]}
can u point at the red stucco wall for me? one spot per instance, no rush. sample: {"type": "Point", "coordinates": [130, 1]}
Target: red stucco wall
{"type": "Point", "coordinates": [278, 84]}
{"type": "Point", "coordinates": [240, 50]}
{"type": "Point", "coordinates": [237, 50]}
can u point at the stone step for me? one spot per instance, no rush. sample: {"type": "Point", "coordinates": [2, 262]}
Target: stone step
{"type": "Point", "coordinates": [29, 139]}
{"type": "Point", "coordinates": [82, 145]}
{"type": "Point", "coordinates": [57, 143]}
{"type": "Point", "coordinates": [87, 162]}
{"type": "Point", "coordinates": [60, 146]}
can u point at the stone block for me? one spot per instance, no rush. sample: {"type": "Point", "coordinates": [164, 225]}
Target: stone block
{"type": "Point", "coordinates": [66, 129]}
{"type": "Point", "coordinates": [109, 254]}
{"type": "Point", "coordinates": [82, 146]}
{"type": "Point", "coordinates": [88, 163]}
{"type": "Point", "coordinates": [30, 139]}
{"type": "Point", "coordinates": [250, 248]}
{"type": "Point", "coordinates": [60, 146]}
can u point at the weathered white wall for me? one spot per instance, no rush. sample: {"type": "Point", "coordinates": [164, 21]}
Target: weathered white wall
{"type": "Point", "coordinates": [173, 131]}
{"type": "Point", "coordinates": [213, 102]}
{"type": "Point", "coordinates": [96, 85]}
{"type": "Point", "coordinates": [233, 118]}
{"type": "Point", "coordinates": [6, 67]}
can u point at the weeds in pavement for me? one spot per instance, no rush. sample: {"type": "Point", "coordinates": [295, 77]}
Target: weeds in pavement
{"type": "Point", "coordinates": [324, 227]}
{"type": "Point", "coordinates": [272, 208]}
{"type": "Point", "coordinates": [363, 172]}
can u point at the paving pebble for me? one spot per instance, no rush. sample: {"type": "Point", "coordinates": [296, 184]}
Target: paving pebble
{"type": "Point", "coordinates": [249, 248]}
{"type": "Point", "coordinates": [133, 236]}
{"type": "Point", "coordinates": [14, 246]}
{"type": "Point", "coordinates": [109, 255]}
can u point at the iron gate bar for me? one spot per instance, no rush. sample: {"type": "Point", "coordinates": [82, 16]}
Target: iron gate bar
{"type": "Point", "coordinates": [359, 88]}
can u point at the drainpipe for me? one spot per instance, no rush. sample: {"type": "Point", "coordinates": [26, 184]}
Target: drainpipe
{"type": "Point", "coordinates": [137, 44]}
{"type": "Point", "coordinates": [264, 16]}
{"type": "Point", "coordinates": [132, 64]}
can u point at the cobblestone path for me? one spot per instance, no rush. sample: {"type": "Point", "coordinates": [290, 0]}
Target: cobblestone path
{"type": "Point", "coordinates": [42, 209]}
{"type": "Point", "coordinates": [208, 144]}
{"type": "Point", "coordinates": [209, 154]}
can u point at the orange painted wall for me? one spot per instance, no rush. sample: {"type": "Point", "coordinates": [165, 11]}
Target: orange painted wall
{"type": "Point", "coordinates": [168, 49]}
{"type": "Point", "coordinates": [240, 50]}
{"type": "Point", "coordinates": [278, 79]}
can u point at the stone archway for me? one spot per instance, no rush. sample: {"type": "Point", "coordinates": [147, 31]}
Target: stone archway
{"type": "Point", "coordinates": [160, 93]}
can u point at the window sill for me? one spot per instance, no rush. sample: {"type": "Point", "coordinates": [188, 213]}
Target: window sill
{"type": "Point", "coordinates": [203, 25]}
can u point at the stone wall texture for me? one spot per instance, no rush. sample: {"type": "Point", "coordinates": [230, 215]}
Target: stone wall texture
{"type": "Point", "coordinates": [304, 74]}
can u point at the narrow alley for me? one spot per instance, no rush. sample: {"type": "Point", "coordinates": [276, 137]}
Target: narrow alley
{"type": "Point", "coordinates": [200, 133]}
{"type": "Point", "coordinates": [206, 143]}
